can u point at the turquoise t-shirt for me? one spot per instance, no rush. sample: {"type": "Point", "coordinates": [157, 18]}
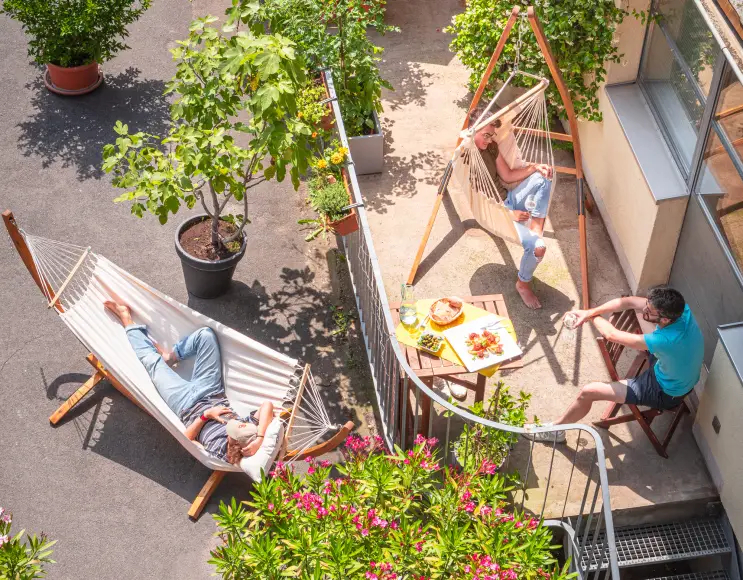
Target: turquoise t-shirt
{"type": "Point", "coordinates": [679, 348]}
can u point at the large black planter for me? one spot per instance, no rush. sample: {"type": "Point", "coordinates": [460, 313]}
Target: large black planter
{"type": "Point", "coordinates": [206, 279]}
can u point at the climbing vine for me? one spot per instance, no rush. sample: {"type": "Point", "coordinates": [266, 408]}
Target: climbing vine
{"type": "Point", "coordinates": [580, 33]}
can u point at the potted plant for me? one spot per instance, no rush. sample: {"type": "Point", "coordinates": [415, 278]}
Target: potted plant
{"type": "Point", "coordinates": [312, 109]}
{"type": "Point", "coordinates": [73, 37]}
{"type": "Point", "coordinates": [478, 443]}
{"type": "Point", "coordinates": [220, 80]}
{"type": "Point", "coordinates": [332, 34]}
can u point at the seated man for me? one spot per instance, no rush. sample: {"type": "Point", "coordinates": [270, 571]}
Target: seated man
{"type": "Point", "coordinates": [522, 180]}
{"type": "Point", "coordinates": [200, 403]}
{"type": "Point", "coordinates": [676, 349]}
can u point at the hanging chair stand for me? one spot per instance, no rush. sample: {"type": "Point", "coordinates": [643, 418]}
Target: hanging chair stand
{"type": "Point", "coordinates": [583, 202]}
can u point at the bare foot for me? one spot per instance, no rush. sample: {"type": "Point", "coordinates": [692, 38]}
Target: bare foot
{"type": "Point", "coordinates": [121, 311]}
{"type": "Point", "coordinates": [527, 295]}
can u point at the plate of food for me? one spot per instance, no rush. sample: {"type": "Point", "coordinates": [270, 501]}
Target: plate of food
{"type": "Point", "coordinates": [483, 342]}
{"type": "Point", "coordinates": [446, 310]}
{"type": "Point", "coordinates": [431, 342]}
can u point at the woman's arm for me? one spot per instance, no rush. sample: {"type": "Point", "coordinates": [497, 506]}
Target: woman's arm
{"type": "Point", "coordinates": [511, 175]}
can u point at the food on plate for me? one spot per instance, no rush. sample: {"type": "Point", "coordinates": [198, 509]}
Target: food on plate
{"type": "Point", "coordinates": [446, 310]}
{"type": "Point", "coordinates": [431, 341]}
{"type": "Point", "coordinates": [484, 344]}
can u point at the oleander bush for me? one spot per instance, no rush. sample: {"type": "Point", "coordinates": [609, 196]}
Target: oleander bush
{"type": "Point", "coordinates": [388, 516]}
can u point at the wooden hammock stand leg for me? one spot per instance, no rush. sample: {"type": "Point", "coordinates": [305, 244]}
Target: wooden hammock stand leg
{"type": "Point", "coordinates": [573, 138]}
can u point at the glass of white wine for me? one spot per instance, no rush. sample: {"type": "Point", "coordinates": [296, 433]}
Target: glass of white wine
{"type": "Point", "coordinates": [530, 203]}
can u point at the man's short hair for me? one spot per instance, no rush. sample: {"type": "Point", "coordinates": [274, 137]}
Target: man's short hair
{"type": "Point", "coordinates": [479, 110]}
{"type": "Point", "coordinates": [667, 301]}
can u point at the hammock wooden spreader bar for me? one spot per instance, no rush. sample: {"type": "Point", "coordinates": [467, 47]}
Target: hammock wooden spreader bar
{"type": "Point", "coordinates": [278, 383]}
{"type": "Point", "coordinates": [582, 202]}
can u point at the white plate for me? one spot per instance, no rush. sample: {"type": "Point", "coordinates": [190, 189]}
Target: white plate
{"type": "Point", "coordinates": [457, 336]}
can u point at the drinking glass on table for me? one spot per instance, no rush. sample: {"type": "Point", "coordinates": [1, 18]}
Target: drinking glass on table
{"type": "Point", "coordinates": [408, 312]}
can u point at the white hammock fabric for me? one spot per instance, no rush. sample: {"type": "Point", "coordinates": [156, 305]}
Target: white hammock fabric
{"type": "Point", "coordinates": [80, 281]}
{"type": "Point", "coordinates": [520, 143]}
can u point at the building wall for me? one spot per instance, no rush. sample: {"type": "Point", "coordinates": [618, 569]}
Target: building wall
{"type": "Point", "coordinates": [723, 397]}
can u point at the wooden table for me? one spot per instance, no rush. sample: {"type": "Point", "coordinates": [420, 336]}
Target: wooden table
{"type": "Point", "coordinates": [427, 366]}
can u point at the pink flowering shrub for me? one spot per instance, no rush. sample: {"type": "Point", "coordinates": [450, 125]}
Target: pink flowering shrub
{"type": "Point", "coordinates": [22, 560]}
{"type": "Point", "coordinates": [389, 516]}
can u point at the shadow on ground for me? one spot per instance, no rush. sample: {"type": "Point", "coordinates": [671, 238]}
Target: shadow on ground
{"type": "Point", "coordinates": [72, 132]}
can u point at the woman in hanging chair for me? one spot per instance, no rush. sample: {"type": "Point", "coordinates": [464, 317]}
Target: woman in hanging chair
{"type": "Point", "coordinates": [529, 187]}
{"type": "Point", "coordinates": [200, 403]}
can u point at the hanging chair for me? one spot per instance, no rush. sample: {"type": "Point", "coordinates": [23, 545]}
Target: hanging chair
{"type": "Point", "coordinates": [522, 138]}
{"type": "Point", "coordinates": [77, 281]}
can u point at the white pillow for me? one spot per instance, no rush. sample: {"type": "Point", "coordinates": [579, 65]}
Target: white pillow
{"type": "Point", "coordinates": [266, 454]}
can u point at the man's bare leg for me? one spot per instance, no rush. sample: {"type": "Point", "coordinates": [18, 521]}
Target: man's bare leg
{"type": "Point", "coordinates": [124, 314]}
{"type": "Point", "coordinates": [524, 289]}
{"type": "Point", "coordinates": [592, 392]}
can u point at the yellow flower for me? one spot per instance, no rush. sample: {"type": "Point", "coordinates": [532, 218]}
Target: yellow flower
{"type": "Point", "coordinates": [300, 114]}
{"type": "Point", "coordinates": [343, 151]}
{"type": "Point", "coordinates": [314, 134]}
{"type": "Point", "coordinates": [336, 158]}
{"type": "Point", "coordinates": [322, 164]}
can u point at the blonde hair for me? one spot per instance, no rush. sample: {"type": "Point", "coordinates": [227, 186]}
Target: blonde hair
{"type": "Point", "coordinates": [234, 451]}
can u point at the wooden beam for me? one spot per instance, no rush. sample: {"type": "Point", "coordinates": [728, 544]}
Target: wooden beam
{"type": "Point", "coordinates": [73, 400]}
{"type": "Point", "coordinates": [206, 492]}
{"type": "Point", "coordinates": [565, 170]}
{"type": "Point", "coordinates": [325, 447]}
{"type": "Point", "coordinates": [541, 133]}
{"type": "Point", "coordinates": [728, 112]}
{"type": "Point", "coordinates": [25, 253]}
{"type": "Point", "coordinates": [447, 174]}
{"type": "Point", "coordinates": [295, 408]}
{"type": "Point", "coordinates": [97, 365]}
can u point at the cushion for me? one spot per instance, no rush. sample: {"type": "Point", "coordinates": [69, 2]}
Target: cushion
{"type": "Point", "coordinates": [266, 454]}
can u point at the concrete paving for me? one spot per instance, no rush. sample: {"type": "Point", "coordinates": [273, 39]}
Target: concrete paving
{"type": "Point", "coordinates": [109, 483]}
{"type": "Point", "coordinates": [421, 121]}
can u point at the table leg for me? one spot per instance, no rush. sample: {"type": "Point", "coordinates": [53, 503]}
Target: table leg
{"type": "Point", "coordinates": [425, 402]}
{"type": "Point", "coordinates": [480, 388]}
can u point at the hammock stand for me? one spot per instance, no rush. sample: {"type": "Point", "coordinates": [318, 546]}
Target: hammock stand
{"type": "Point", "coordinates": [584, 201]}
{"type": "Point", "coordinates": [289, 416]}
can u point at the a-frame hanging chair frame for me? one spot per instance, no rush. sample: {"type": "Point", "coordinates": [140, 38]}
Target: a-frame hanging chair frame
{"type": "Point", "coordinates": [573, 138]}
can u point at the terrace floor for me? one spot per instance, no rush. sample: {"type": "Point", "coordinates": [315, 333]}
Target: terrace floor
{"type": "Point", "coordinates": [421, 121]}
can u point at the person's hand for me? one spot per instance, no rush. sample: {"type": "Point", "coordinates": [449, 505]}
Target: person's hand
{"type": "Point", "coordinates": [545, 170]}
{"type": "Point", "coordinates": [580, 316]}
{"type": "Point", "coordinates": [252, 448]}
{"type": "Point", "coordinates": [521, 216]}
{"type": "Point", "coordinates": [215, 413]}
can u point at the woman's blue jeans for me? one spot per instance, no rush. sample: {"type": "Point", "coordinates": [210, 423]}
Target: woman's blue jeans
{"type": "Point", "coordinates": [538, 186]}
{"type": "Point", "coordinates": [178, 393]}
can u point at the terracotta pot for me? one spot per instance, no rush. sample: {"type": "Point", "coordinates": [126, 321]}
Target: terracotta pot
{"type": "Point", "coordinates": [76, 78]}
{"type": "Point", "coordinates": [350, 223]}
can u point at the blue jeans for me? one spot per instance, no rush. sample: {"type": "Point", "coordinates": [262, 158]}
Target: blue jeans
{"type": "Point", "coordinates": [538, 186]}
{"type": "Point", "coordinates": [178, 393]}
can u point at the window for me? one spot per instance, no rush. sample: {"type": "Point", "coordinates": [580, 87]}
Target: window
{"type": "Point", "coordinates": [720, 180]}
{"type": "Point", "coordinates": [676, 74]}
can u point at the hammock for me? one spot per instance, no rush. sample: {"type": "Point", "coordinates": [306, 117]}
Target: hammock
{"type": "Point", "coordinates": [522, 138]}
{"type": "Point", "coordinates": [76, 282]}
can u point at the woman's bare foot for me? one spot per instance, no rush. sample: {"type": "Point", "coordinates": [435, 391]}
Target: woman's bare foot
{"type": "Point", "coordinates": [527, 295]}
{"type": "Point", "coordinates": [121, 311]}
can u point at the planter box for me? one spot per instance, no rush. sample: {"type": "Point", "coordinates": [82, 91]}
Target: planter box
{"type": "Point", "coordinates": [350, 223]}
{"type": "Point", "coordinates": [367, 151]}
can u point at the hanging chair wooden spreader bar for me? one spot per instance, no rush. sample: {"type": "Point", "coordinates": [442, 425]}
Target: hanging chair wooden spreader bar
{"type": "Point", "coordinates": [582, 202]}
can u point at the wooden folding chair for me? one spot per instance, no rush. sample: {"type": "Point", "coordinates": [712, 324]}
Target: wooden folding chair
{"type": "Point", "coordinates": [627, 321]}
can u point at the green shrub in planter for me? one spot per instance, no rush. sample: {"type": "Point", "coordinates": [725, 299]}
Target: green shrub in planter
{"type": "Point", "coordinates": [22, 560]}
{"type": "Point", "coordinates": [395, 516]}
{"type": "Point", "coordinates": [327, 196]}
{"type": "Point", "coordinates": [72, 33]}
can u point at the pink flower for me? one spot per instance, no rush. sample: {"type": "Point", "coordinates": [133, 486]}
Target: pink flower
{"type": "Point", "coordinates": [364, 532]}
{"type": "Point", "coordinates": [466, 495]}
{"type": "Point", "coordinates": [419, 546]}
{"type": "Point", "coordinates": [4, 540]}
{"type": "Point", "coordinates": [419, 439]}
{"type": "Point", "coordinates": [486, 510]}
{"type": "Point", "coordinates": [325, 463]}
{"type": "Point", "coordinates": [309, 459]}
{"type": "Point", "coordinates": [371, 576]}
{"type": "Point", "coordinates": [6, 518]}
{"type": "Point", "coordinates": [311, 470]}
{"type": "Point", "coordinates": [469, 506]}
{"type": "Point", "coordinates": [270, 507]}
{"type": "Point", "coordinates": [433, 441]}
{"type": "Point", "coordinates": [394, 525]}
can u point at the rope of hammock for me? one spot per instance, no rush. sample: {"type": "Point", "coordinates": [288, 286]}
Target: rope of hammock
{"type": "Point", "coordinates": [66, 270]}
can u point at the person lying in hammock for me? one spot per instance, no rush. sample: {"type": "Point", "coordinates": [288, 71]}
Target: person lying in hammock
{"type": "Point", "coordinates": [522, 180]}
{"type": "Point", "coordinates": [200, 403]}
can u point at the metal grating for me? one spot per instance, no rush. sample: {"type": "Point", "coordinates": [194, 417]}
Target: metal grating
{"type": "Point", "coordinates": [650, 544]}
{"type": "Point", "coordinates": [716, 575]}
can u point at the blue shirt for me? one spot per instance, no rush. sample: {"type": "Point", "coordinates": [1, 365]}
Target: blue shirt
{"type": "Point", "coordinates": [679, 348]}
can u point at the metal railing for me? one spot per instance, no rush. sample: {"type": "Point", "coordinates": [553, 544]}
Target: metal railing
{"type": "Point", "coordinates": [584, 515]}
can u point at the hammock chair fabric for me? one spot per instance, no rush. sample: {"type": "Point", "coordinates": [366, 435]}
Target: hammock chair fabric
{"type": "Point", "coordinates": [523, 138]}
{"type": "Point", "coordinates": [76, 281]}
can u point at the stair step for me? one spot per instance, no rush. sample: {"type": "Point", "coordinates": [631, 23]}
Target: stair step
{"type": "Point", "coordinates": [651, 544]}
{"type": "Point", "coordinates": [716, 575]}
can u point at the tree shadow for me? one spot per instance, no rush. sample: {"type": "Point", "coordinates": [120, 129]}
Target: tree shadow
{"type": "Point", "coordinates": [412, 84]}
{"type": "Point", "coordinates": [73, 130]}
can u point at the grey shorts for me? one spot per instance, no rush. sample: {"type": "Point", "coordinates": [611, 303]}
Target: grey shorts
{"type": "Point", "coordinates": [645, 390]}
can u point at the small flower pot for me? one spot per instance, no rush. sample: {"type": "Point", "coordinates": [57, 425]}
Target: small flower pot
{"type": "Point", "coordinates": [206, 278]}
{"type": "Point", "coordinates": [76, 80]}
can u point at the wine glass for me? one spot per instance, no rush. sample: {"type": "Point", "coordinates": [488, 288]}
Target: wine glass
{"type": "Point", "coordinates": [530, 203]}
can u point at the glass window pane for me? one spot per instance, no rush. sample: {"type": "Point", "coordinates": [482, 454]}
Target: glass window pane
{"type": "Point", "coordinates": [720, 181]}
{"type": "Point", "coordinates": [673, 96]}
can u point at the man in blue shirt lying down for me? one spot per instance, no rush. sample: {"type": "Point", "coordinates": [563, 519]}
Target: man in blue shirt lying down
{"type": "Point", "coordinates": [676, 349]}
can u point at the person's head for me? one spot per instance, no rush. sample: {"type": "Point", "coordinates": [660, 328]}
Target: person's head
{"type": "Point", "coordinates": [486, 135]}
{"type": "Point", "coordinates": [239, 434]}
{"type": "Point", "coordinates": [664, 305]}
